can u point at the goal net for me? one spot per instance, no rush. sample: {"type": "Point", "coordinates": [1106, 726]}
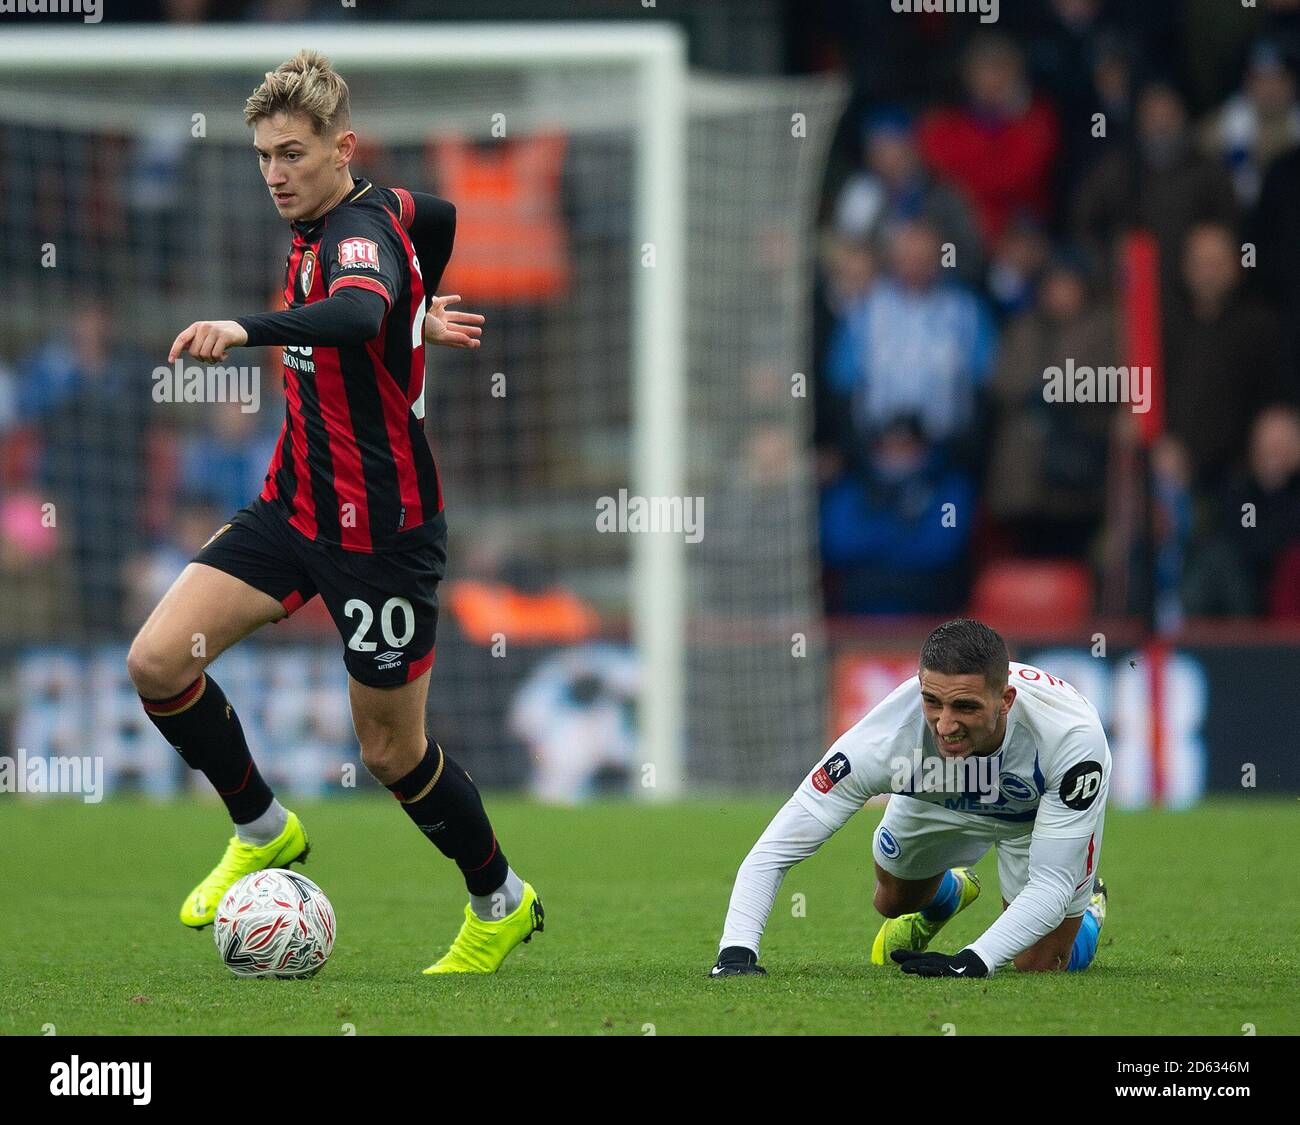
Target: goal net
{"type": "Point", "coordinates": [632, 587]}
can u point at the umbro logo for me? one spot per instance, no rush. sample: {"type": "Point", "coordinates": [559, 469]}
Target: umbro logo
{"type": "Point", "coordinates": [388, 657]}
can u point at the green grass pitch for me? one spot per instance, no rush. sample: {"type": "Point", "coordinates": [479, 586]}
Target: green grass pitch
{"type": "Point", "coordinates": [1201, 937]}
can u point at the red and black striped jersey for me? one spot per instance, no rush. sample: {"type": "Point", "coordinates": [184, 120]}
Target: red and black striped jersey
{"type": "Point", "coordinates": [352, 466]}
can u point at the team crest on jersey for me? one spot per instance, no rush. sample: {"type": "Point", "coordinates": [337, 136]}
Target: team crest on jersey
{"type": "Point", "coordinates": [307, 272]}
{"type": "Point", "coordinates": [1015, 788]}
{"type": "Point", "coordinates": [358, 252]}
{"type": "Point", "coordinates": [888, 845]}
{"type": "Point", "coordinates": [835, 769]}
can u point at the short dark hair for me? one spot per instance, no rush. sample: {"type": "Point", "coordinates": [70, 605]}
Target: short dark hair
{"type": "Point", "coordinates": [966, 647]}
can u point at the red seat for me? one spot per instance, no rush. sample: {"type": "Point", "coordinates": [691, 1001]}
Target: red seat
{"type": "Point", "coordinates": [1284, 591]}
{"type": "Point", "coordinates": [1033, 594]}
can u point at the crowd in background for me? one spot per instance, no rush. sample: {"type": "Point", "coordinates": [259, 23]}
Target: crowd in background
{"type": "Point", "coordinates": [103, 496]}
{"type": "Point", "coordinates": [983, 182]}
{"type": "Point", "coordinates": [972, 239]}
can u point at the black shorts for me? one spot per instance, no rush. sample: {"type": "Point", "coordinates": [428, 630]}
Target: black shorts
{"type": "Point", "coordinates": [385, 605]}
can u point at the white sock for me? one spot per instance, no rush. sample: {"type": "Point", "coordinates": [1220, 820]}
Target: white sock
{"type": "Point", "coordinates": [504, 900]}
{"type": "Point", "coordinates": [266, 827]}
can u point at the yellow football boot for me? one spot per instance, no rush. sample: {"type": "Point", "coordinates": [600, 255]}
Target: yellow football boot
{"type": "Point", "coordinates": [914, 931]}
{"type": "Point", "coordinates": [241, 859]}
{"type": "Point", "coordinates": [480, 947]}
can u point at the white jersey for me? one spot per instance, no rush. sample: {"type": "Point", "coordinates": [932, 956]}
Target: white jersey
{"type": "Point", "coordinates": [1050, 768]}
{"type": "Point", "coordinates": [1050, 775]}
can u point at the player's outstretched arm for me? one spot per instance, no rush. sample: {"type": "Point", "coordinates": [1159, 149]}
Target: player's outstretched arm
{"type": "Point", "coordinates": [793, 835]}
{"type": "Point", "coordinates": [1055, 865]}
{"type": "Point", "coordinates": [1061, 852]}
{"type": "Point", "coordinates": [208, 340]}
{"type": "Point", "coordinates": [350, 316]}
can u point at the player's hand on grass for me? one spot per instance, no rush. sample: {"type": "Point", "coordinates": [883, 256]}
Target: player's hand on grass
{"type": "Point", "coordinates": [737, 961]}
{"type": "Point", "coordinates": [208, 340]}
{"type": "Point", "coordinates": [451, 328]}
{"type": "Point", "coordinates": [963, 964]}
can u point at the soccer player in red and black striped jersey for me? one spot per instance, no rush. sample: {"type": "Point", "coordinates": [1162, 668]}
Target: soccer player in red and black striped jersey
{"type": "Point", "coordinates": [351, 510]}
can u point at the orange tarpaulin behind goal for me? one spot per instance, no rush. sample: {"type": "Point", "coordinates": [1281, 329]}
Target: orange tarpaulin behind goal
{"type": "Point", "coordinates": [510, 236]}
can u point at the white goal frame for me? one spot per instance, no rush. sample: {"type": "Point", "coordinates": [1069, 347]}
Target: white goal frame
{"type": "Point", "coordinates": [656, 53]}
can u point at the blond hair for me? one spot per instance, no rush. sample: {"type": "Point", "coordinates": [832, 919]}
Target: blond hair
{"type": "Point", "coordinates": [305, 84]}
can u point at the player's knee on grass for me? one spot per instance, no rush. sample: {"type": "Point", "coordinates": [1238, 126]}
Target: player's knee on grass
{"type": "Point", "coordinates": [1052, 953]}
{"type": "Point", "coordinates": [894, 897]}
{"type": "Point", "coordinates": [1042, 959]}
{"type": "Point", "coordinates": [887, 903]}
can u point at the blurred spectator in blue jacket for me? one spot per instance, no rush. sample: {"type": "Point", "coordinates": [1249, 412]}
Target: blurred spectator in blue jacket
{"type": "Point", "coordinates": [88, 399]}
{"type": "Point", "coordinates": [8, 399]}
{"type": "Point", "coordinates": [917, 344]}
{"type": "Point", "coordinates": [1256, 125]}
{"type": "Point", "coordinates": [888, 542]}
{"type": "Point", "coordinates": [226, 463]}
{"type": "Point", "coordinates": [893, 186]}
{"type": "Point", "coordinates": [1017, 264]}
{"type": "Point", "coordinates": [849, 268]}
{"type": "Point", "coordinates": [148, 575]}
{"type": "Point", "coordinates": [1171, 530]}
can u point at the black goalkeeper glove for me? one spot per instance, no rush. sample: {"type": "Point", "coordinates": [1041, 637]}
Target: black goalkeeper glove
{"type": "Point", "coordinates": [963, 964]}
{"type": "Point", "coordinates": [737, 961]}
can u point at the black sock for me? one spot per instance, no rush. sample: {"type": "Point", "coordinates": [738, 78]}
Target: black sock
{"type": "Point", "coordinates": [445, 804]}
{"type": "Point", "coordinates": [205, 729]}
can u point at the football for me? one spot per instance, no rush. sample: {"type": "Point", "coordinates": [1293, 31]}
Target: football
{"type": "Point", "coordinates": [274, 923]}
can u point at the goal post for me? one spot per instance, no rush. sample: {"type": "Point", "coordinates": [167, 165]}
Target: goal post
{"type": "Point", "coordinates": [657, 55]}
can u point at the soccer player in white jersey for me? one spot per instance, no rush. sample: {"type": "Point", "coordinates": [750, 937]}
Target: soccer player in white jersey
{"type": "Point", "coordinates": [976, 753]}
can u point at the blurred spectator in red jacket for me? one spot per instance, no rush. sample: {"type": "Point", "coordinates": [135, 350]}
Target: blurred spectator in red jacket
{"type": "Point", "coordinates": [999, 147]}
